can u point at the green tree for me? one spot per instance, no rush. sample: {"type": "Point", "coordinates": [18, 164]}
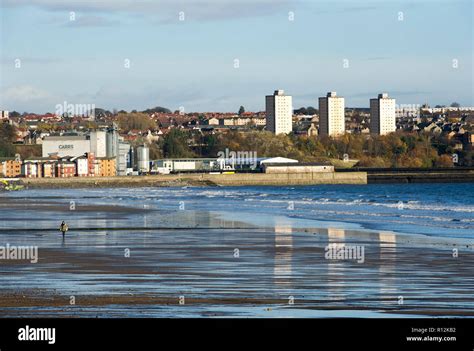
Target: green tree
{"type": "Point", "coordinates": [7, 132]}
{"type": "Point", "coordinates": [176, 144]}
{"type": "Point", "coordinates": [211, 145]}
{"type": "Point", "coordinates": [158, 109]}
{"type": "Point", "coordinates": [140, 121]}
{"type": "Point", "coordinates": [7, 137]}
{"type": "Point", "coordinates": [311, 110]}
{"type": "Point", "coordinates": [301, 111]}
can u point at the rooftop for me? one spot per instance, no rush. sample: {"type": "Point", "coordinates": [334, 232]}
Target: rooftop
{"type": "Point", "coordinates": [65, 137]}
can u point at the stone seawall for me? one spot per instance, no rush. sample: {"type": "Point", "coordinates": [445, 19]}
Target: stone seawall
{"type": "Point", "coordinates": [422, 177]}
{"type": "Point", "coordinates": [203, 179]}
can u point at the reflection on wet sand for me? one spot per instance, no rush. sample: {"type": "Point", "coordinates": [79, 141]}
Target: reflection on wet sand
{"type": "Point", "coordinates": [387, 239]}
{"type": "Point", "coordinates": [387, 266]}
{"type": "Point", "coordinates": [282, 272]}
{"type": "Point", "coordinates": [336, 235]}
{"type": "Point", "coordinates": [191, 252]}
{"type": "Point", "coordinates": [336, 271]}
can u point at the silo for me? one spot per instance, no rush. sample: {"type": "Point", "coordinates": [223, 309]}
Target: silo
{"type": "Point", "coordinates": [112, 143]}
{"type": "Point", "coordinates": [143, 158]}
{"type": "Point", "coordinates": [98, 142]}
{"type": "Point", "coordinates": [131, 158]}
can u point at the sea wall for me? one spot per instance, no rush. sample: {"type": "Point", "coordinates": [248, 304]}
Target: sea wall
{"type": "Point", "coordinates": [415, 175]}
{"type": "Point", "coordinates": [238, 179]}
{"type": "Point", "coordinates": [422, 177]}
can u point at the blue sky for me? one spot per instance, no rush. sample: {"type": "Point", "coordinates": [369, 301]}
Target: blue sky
{"type": "Point", "coordinates": [190, 63]}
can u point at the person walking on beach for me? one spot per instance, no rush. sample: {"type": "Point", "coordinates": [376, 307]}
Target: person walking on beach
{"type": "Point", "coordinates": [63, 228]}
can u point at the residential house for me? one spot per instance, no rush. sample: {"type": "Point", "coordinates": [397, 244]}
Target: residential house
{"type": "Point", "coordinates": [106, 166]}
{"type": "Point", "coordinates": [10, 167]}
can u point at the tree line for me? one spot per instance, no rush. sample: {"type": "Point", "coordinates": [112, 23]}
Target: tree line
{"type": "Point", "coordinates": [400, 149]}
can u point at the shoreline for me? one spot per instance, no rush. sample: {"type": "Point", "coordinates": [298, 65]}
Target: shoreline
{"type": "Point", "coordinates": [340, 177]}
{"type": "Point", "coordinates": [151, 202]}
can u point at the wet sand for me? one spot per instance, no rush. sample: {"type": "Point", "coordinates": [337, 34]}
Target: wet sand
{"type": "Point", "coordinates": [222, 265]}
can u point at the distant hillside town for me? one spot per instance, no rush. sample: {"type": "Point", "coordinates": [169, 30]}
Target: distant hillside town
{"type": "Point", "coordinates": [100, 143]}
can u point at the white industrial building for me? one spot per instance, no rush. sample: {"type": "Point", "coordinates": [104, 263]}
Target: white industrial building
{"type": "Point", "coordinates": [184, 165]}
{"type": "Point", "coordinates": [382, 115]}
{"type": "Point", "coordinates": [279, 112]}
{"type": "Point", "coordinates": [102, 143]}
{"type": "Point", "coordinates": [297, 168]}
{"type": "Point", "coordinates": [215, 164]}
{"type": "Point", "coordinates": [331, 115]}
{"type": "Point", "coordinates": [275, 160]}
{"type": "Point", "coordinates": [66, 145]}
{"type": "Point", "coordinates": [98, 140]}
{"type": "Point", "coordinates": [123, 158]}
{"type": "Point", "coordinates": [75, 145]}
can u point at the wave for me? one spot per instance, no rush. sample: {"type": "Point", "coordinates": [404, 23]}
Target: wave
{"type": "Point", "coordinates": [409, 205]}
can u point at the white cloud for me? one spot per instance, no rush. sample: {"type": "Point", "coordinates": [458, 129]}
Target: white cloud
{"type": "Point", "coordinates": [26, 98]}
{"type": "Point", "coordinates": [165, 11]}
{"type": "Point", "coordinates": [24, 93]}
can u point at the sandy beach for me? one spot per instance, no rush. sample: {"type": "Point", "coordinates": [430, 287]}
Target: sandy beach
{"type": "Point", "coordinates": [140, 261]}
